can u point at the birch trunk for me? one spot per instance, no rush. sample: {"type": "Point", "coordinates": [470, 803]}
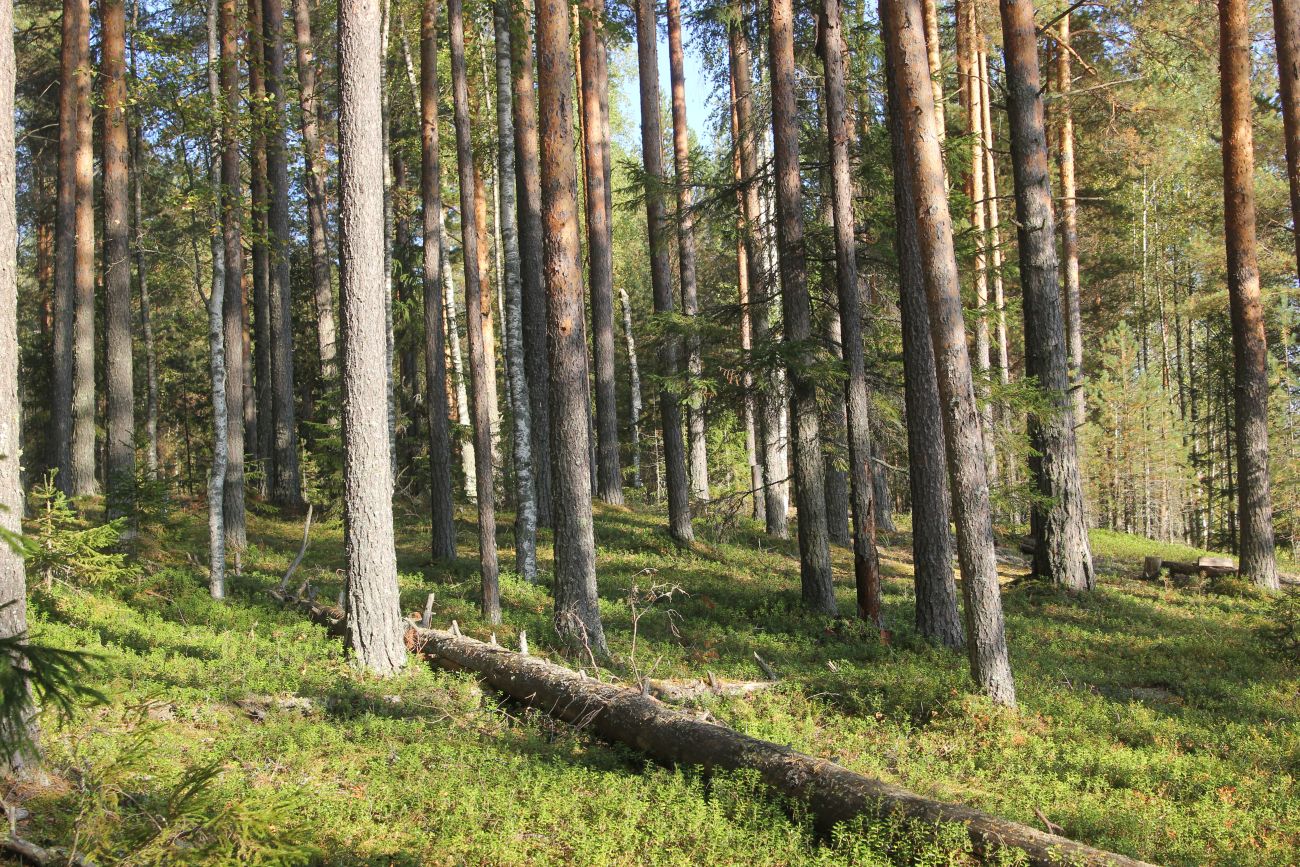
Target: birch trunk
{"type": "Point", "coordinates": [216, 325]}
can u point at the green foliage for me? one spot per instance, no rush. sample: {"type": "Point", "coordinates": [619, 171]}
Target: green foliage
{"type": "Point", "coordinates": [145, 502]}
{"type": "Point", "coordinates": [1281, 630]}
{"type": "Point", "coordinates": [61, 546]}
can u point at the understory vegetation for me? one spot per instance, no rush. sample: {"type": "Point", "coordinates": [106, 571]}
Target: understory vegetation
{"type": "Point", "coordinates": [1159, 722]}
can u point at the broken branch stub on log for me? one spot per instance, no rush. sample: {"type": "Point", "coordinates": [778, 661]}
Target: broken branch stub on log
{"type": "Point", "coordinates": [833, 794]}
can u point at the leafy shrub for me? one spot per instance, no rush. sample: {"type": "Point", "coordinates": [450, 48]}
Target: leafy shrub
{"type": "Point", "coordinates": [1282, 630]}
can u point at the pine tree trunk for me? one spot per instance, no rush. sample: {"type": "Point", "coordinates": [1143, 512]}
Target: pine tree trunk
{"type": "Point", "coordinates": [902, 23]}
{"type": "Point", "coordinates": [443, 509]}
{"type": "Point", "coordinates": [13, 591]}
{"type": "Point", "coordinates": [774, 490]}
{"type": "Point", "coordinates": [698, 463]}
{"type": "Point", "coordinates": [528, 186]}
{"type": "Point", "coordinates": [479, 371]}
{"type": "Point", "coordinates": [1286, 25]}
{"type": "Point", "coordinates": [600, 265]}
{"type": "Point", "coordinates": [934, 61]}
{"type": "Point", "coordinates": [74, 275]}
{"type": "Point", "coordinates": [257, 193]}
{"type": "Point", "coordinates": [216, 321]}
{"type": "Point", "coordinates": [634, 388]}
{"type": "Point", "coordinates": [809, 464]}
{"type": "Point", "coordinates": [857, 400]}
{"type": "Point", "coordinates": [233, 291]}
{"type": "Point", "coordinates": [525, 492]}
{"type": "Point", "coordinates": [679, 506]}
{"type": "Point", "coordinates": [1069, 223]}
{"type": "Point", "coordinates": [313, 151]}
{"type": "Point", "coordinates": [374, 617]}
{"type": "Point", "coordinates": [286, 483]}
{"type": "Point", "coordinates": [146, 307]}
{"type": "Point", "coordinates": [994, 223]}
{"type": "Point", "coordinates": [1249, 345]}
{"type": "Point", "coordinates": [577, 608]}
{"type": "Point", "coordinates": [1063, 553]}
{"type": "Point", "coordinates": [120, 372]}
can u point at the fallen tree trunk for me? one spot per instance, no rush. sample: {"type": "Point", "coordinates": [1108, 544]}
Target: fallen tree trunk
{"type": "Point", "coordinates": [832, 794]}
{"type": "Point", "coordinates": [1212, 567]}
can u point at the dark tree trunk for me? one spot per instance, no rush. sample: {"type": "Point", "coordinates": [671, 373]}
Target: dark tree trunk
{"type": "Point", "coordinates": [698, 463]}
{"type": "Point", "coordinates": [809, 464]}
{"type": "Point", "coordinates": [120, 374]}
{"type": "Point", "coordinates": [313, 151]}
{"type": "Point", "coordinates": [1063, 553]}
{"type": "Point", "coordinates": [74, 267]}
{"type": "Point", "coordinates": [857, 400]}
{"type": "Point", "coordinates": [775, 493]}
{"type": "Point", "coordinates": [374, 617]}
{"type": "Point", "coordinates": [679, 505]}
{"type": "Point", "coordinates": [937, 617]}
{"type": "Point", "coordinates": [528, 177]}
{"type": "Point", "coordinates": [146, 307]}
{"type": "Point", "coordinates": [600, 264]}
{"type": "Point", "coordinates": [443, 540]}
{"type": "Point", "coordinates": [286, 484]}
{"type": "Point", "coordinates": [577, 608]}
{"type": "Point", "coordinates": [1249, 345]}
{"type": "Point", "coordinates": [233, 305]}
{"type": "Point", "coordinates": [490, 601]}
{"type": "Point", "coordinates": [257, 192]}
{"type": "Point", "coordinates": [902, 24]}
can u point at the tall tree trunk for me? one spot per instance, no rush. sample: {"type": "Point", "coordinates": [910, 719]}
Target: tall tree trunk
{"type": "Point", "coordinates": [809, 464]}
{"type": "Point", "coordinates": [600, 263]}
{"type": "Point", "coordinates": [577, 608]}
{"type": "Point", "coordinates": [934, 61]}
{"type": "Point", "coordinates": [120, 373]}
{"type": "Point", "coordinates": [1286, 25]}
{"type": "Point", "coordinates": [679, 505]}
{"type": "Point", "coordinates": [1249, 345]}
{"type": "Point", "coordinates": [258, 193]}
{"type": "Point", "coordinates": [146, 307]}
{"type": "Point", "coordinates": [216, 317]}
{"type": "Point", "coordinates": [1069, 223]}
{"type": "Point", "coordinates": [774, 490]}
{"type": "Point", "coordinates": [857, 401]}
{"type": "Point", "coordinates": [937, 618]}
{"type": "Point", "coordinates": [13, 587]}
{"type": "Point", "coordinates": [1063, 553]}
{"type": "Point", "coordinates": [699, 452]}
{"type": "Point", "coordinates": [994, 223]}
{"type": "Point", "coordinates": [74, 275]}
{"type": "Point", "coordinates": [902, 24]}
{"type": "Point", "coordinates": [634, 387]}
{"type": "Point", "coordinates": [443, 509]}
{"type": "Point", "coordinates": [467, 459]}
{"type": "Point", "coordinates": [233, 289]}
{"type": "Point", "coordinates": [479, 371]}
{"type": "Point", "coordinates": [374, 617]}
{"type": "Point", "coordinates": [286, 483]}
{"type": "Point", "coordinates": [525, 493]}
{"type": "Point", "coordinates": [528, 177]}
{"type": "Point", "coordinates": [313, 151]}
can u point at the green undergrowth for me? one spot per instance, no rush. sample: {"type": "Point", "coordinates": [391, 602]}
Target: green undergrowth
{"type": "Point", "coordinates": [1153, 721]}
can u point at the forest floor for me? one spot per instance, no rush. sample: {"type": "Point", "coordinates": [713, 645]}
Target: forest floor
{"type": "Point", "coordinates": [1153, 721]}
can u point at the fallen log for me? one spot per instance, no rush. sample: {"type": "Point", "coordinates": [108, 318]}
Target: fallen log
{"type": "Point", "coordinates": [833, 794]}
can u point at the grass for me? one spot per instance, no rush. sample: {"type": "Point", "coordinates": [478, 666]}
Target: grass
{"type": "Point", "coordinates": [1153, 721]}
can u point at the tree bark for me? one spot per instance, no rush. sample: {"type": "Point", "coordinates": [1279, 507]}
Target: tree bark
{"type": "Point", "coordinates": [13, 586]}
{"type": "Point", "coordinates": [374, 620]}
{"type": "Point", "coordinates": [443, 509]}
{"type": "Point", "coordinates": [1063, 553]}
{"type": "Point", "coordinates": [313, 151]}
{"type": "Point", "coordinates": [257, 192]}
{"type": "Point", "coordinates": [857, 400]}
{"type": "Point", "coordinates": [286, 482]}
{"type": "Point", "coordinates": [233, 290]}
{"type": "Point", "coordinates": [528, 178]}
{"type": "Point", "coordinates": [467, 459]}
{"type": "Point", "coordinates": [1286, 25]}
{"type": "Point", "coordinates": [74, 275]}
{"type": "Point", "coordinates": [525, 492]}
{"type": "Point", "coordinates": [216, 317]}
{"type": "Point", "coordinates": [902, 23]}
{"type": "Point", "coordinates": [634, 387]}
{"type": "Point", "coordinates": [120, 372]}
{"type": "Point", "coordinates": [600, 267]}
{"type": "Point", "coordinates": [994, 223]}
{"type": "Point", "coordinates": [698, 463]}
{"type": "Point", "coordinates": [1069, 223]}
{"type": "Point", "coordinates": [679, 506]}
{"type": "Point", "coordinates": [937, 618]}
{"type": "Point", "coordinates": [1249, 344]}
{"type": "Point", "coordinates": [490, 598]}
{"type": "Point", "coordinates": [809, 464]}
{"type": "Point", "coordinates": [146, 307]}
{"type": "Point", "coordinates": [934, 60]}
